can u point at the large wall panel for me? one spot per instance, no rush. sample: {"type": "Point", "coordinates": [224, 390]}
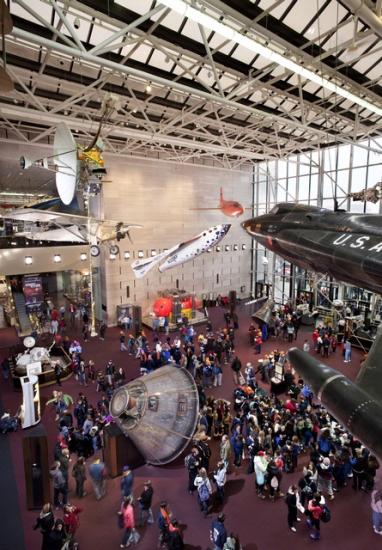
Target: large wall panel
{"type": "Point", "coordinates": [160, 196]}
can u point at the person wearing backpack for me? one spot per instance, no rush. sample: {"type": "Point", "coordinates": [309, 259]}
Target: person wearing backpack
{"type": "Point", "coordinates": [308, 487]}
{"type": "Point", "coordinates": [314, 513]}
{"type": "Point", "coordinates": [204, 487]}
{"type": "Point", "coordinates": [163, 523]}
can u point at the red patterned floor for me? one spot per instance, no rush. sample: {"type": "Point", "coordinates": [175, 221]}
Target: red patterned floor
{"type": "Point", "coordinates": [260, 524]}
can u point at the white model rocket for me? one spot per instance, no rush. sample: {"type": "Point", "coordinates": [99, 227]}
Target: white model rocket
{"type": "Point", "coordinates": [183, 252]}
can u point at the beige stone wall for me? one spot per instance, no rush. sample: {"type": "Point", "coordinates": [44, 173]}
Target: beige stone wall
{"type": "Point", "coordinates": [160, 196]}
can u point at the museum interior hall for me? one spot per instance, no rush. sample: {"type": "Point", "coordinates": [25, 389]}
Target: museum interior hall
{"type": "Point", "coordinates": [190, 274]}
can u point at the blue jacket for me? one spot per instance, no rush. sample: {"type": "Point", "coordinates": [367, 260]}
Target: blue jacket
{"type": "Point", "coordinates": [127, 484]}
{"type": "Point", "coordinates": [218, 533]}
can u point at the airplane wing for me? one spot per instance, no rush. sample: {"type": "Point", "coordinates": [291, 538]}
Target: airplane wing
{"type": "Point", "coordinates": [62, 218]}
{"type": "Point", "coordinates": [370, 375]}
{"type": "Point", "coordinates": [142, 267]}
{"type": "Point", "coordinates": [36, 215]}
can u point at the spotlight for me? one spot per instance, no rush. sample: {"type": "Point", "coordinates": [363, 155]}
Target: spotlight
{"type": "Point", "coordinates": [148, 88]}
{"type": "Point", "coordinates": [112, 256]}
{"type": "Point", "coordinates": [28, 260]}
{"type": "Point", "coordinates": [235, 247]}
{"type": "Point", "coordinates": [218, 249]}
{"type": "Point", "coordinates": [227, 248]}
{"type": "Point", "coordinates": [83, 257]}
{"type": "Point", "coordinates": [153, 252]}
{"type": "Point", "coordinates": [57, 258]}
{"type": "Point", "coordinates": [244, 247]}
{"type": "Point", "coordinates": [126, 255]}
{"type": "Point", "coordinates": [140, 254]}
{"type": "Point", "coordinates": [77, 23]}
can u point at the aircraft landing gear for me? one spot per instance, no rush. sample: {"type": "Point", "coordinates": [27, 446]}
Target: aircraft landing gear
{"type": "Point", "coordinates": [94, 250]}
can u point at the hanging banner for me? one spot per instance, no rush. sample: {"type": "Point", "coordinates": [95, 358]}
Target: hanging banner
{"type": "Point", "coordinates": [32, 289]}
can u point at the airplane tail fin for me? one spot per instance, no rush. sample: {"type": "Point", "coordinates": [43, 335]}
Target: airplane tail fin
{"type": "Point", "coordinates": [142, 267]}
{"type": "Point", "coordinates": [370, 375]}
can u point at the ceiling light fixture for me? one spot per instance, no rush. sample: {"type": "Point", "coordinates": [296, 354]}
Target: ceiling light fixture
{"type": "Point", "coordinates": [184, 9]}
{"type": "Point", "coordinates": [126, 255]}
{"type": "Point", "coordinates": [148, 88]}
{"type": "Point", "coordinates": [57, 258]}
{"type": "Point", "coordinates": [83, 257]}
{"type": "Point", "coordinates": [28, 260]}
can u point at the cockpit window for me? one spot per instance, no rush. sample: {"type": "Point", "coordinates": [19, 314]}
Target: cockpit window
{"type": "Point", "coordinates": [274, 210]}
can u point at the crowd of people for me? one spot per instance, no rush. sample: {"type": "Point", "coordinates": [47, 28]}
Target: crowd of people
{"type": "Point", "coordinates": [269, 436]}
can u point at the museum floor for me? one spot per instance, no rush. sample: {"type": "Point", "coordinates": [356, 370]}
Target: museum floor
{"type": "Point", "coordinates": [261, 525]}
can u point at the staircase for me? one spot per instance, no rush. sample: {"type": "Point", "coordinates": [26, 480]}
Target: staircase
{"type": "Point", "coordinates": [25, 326]}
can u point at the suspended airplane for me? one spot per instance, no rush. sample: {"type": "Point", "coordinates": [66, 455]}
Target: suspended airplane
{"type": "Point", "coordinates": [183, 252]}
{"type": "Point", "coordinates": [344, 245]}
{"type": "Point", "coordinates": [373, 194]}
{"type": "Point", "coordinates": [229, 208]}
{"type": "Point", "coordinates": [357, 406]}
{"type": "Point", "coordinates": [75, 167]}
{"type": "Point", "coordinates": [47, 225]}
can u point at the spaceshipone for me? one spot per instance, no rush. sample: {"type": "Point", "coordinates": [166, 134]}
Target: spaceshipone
{"type": "Point", "coordinates": [357, 406]}
{"type": "Point", "coordinates": [183, 252]}
{"type": "Point", "coordinates": [345, 245]}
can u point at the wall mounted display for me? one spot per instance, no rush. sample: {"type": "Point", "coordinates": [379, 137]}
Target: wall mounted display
{"type": "Point", "coordinates": [32, 290]}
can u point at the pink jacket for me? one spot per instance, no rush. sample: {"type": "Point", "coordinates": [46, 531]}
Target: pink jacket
{"type": "Point", "coordinates": [128, 517]}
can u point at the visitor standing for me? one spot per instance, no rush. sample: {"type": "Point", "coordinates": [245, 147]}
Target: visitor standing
{"type": "Point", "coordinates": [45, 523]}
{"type": "Point", "coordinates": [128, 521]}
{"type": "Point", "coordinates": [218, 533]}
{"type": "Point", "coordinates": [79, 474]}
{"type": "Point", "coordinates": [97, 472]}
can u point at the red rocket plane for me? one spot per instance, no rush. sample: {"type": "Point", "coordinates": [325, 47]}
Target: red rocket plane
{"type": "Point", "coordinates": [229, 208]}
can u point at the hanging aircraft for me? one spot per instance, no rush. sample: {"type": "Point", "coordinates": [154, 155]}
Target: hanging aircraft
{"type": "Point", "coordinates": [357, 406]}
{"type": "Point", "coordinates": [373, 194]}
{"type": "Point", "coordinates": [182, 252]}
{"type": "Point", "coordinates": [346, 246]}
{"type": "Point", "coordinates": [229, 208]}
{"type": "Point", "coordinates": [47, 225]}
{"type": "Point", "coordinates": [76, 168]}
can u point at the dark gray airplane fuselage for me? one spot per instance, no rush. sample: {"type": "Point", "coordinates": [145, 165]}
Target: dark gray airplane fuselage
{"type": "Point", "coordinates": [344, 245]}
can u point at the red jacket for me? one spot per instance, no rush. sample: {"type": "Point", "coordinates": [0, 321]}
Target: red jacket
{"type": "Point", "coordinates": [315, 510]}
{"type": "Point", "coordinates": [128, 517]}
{"type": "Point", "coordinates": [71, 520]}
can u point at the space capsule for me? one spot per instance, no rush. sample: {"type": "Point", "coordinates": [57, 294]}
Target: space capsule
{"type": "Point", "coordinates": [158, 412]}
